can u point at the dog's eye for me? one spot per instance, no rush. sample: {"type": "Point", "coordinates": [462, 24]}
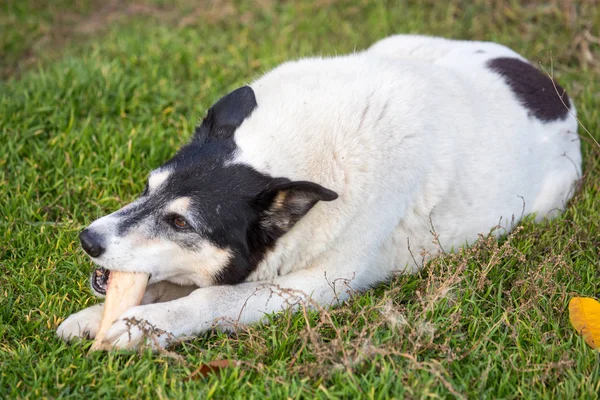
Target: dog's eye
{"type": "Point", "coordinates": [179, 221]}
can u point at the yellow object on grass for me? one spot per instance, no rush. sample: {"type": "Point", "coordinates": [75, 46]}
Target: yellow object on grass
{"type": "Point", "coordinates": [584, 313]}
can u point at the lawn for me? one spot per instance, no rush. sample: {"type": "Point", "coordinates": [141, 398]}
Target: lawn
{"type": "Point", "coordinates": [95, 94]}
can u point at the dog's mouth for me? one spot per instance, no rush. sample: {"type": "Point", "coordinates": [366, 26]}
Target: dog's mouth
{"type": "Point", "coordinates": [99, 280]}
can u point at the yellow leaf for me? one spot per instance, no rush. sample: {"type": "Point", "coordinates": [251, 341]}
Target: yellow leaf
{"type": "Point", "coordinates": [584, 313]}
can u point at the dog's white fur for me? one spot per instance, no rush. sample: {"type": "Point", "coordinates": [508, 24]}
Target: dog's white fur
{"type": "Point", "coordinates": [414, 134]}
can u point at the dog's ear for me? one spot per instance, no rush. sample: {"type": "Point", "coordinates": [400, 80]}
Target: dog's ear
{"type": "Point", "coordinates": [284, 203]}
{"type": "Point", "coordinates": [227, 114]}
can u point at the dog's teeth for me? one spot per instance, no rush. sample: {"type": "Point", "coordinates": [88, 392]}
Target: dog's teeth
{"type": "Point", "coordinates": [124, 290]}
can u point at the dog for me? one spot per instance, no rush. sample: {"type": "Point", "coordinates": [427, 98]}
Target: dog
{"type": "Point", "coordinates": [320, 178]}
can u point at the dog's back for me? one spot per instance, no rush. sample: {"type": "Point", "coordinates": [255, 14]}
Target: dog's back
{"type": "Point", "coordinates": [411, 133]}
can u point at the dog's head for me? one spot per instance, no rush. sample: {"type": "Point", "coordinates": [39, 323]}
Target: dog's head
{"type": "Point", "coordinates": [202, 219]}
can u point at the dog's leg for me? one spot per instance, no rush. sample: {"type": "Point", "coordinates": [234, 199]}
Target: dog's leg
{"type": "Point", "coordinates": [244, 303]}
{"type": "Point", "coordinates": [82, 324]}
{"type": "Point", "coordinates": [85, 323]}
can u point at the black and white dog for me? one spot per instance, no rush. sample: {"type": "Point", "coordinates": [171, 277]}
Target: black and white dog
{"type": "Point", "coordinates": [319, 174]}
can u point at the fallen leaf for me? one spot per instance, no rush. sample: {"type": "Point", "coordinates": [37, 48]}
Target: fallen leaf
{"type": "Point", "coordinates": [211, 367]}
{"type": "Point", "coordinates": [584, 313]}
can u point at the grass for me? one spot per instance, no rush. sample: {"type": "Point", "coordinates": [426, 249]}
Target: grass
{"type": "Point", "coordinates": [96, 94]}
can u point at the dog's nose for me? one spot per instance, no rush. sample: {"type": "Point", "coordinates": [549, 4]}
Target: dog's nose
{"type": "Point", "coordinates": [91, 243]}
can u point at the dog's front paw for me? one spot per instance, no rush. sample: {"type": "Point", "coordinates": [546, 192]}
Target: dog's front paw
{"type": "Point", "coordinates": [146, 325]}
{"type": "Point", "coordinates": [83, 324]}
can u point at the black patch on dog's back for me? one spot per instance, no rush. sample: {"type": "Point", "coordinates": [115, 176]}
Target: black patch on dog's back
{"type": "Point", "coordinates": [535, 90]}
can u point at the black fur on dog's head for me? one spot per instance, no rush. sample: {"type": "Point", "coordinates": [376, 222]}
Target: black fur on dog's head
{"type": "Point", "coordinates": [203, 219]}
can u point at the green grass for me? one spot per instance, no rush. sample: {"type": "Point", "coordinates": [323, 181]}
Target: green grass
{"type": "Point", "coordinates": [119, 90]}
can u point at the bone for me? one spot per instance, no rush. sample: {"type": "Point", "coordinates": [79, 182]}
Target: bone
{"type": "Point", "coordinates": [125, 290]}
